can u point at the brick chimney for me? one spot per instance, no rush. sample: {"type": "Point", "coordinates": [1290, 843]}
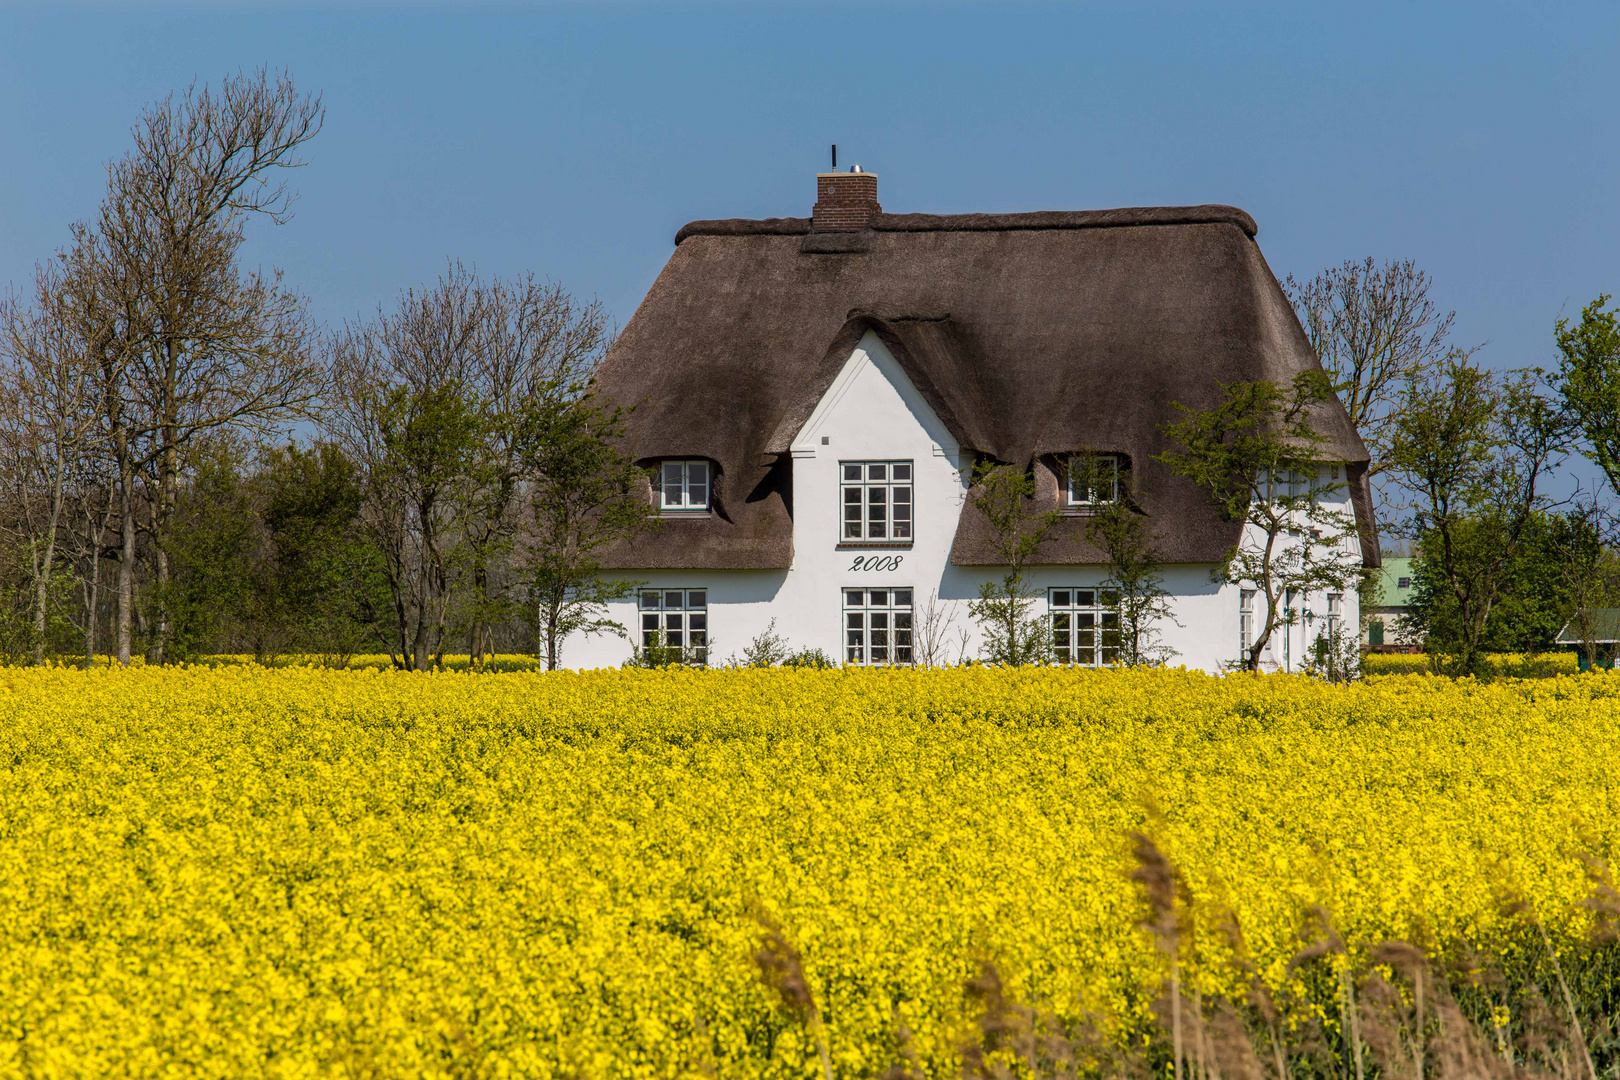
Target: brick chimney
{"type": "Point", "coordinates": [845, 202]}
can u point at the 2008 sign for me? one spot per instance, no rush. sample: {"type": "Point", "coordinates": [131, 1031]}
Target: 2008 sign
{"type": "Point", "coordinates": [876, 562]}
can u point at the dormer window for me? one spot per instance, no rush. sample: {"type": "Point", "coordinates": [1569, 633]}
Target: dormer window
{"type": "Point", "coordinates": [1093, 481]}
{"type": "Point", "coordinates": [683, 485]}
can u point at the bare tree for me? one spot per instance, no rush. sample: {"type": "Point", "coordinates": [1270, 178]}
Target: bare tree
{"type": "Point", "coordinates": [934, 622]}
{"type": "Point", "coordinates": [1374, 328]}
{"type": "Point", "coordinates": [48, 424]}
{"type": "Point", "coordinates": [534, 344]}
{"type": "Point", "coordinates": [192, 344]}
{"type": "Point", "coordinates": [401, 409]}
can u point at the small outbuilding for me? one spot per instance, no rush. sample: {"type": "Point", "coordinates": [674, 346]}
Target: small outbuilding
{"type": "Point", "coordinates": [1605, 628]}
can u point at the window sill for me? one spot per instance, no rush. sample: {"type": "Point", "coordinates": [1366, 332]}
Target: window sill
{"type": "Point", "coordinates": [684, 514]}
{"type": "Point", "coordinates": [856, 545]}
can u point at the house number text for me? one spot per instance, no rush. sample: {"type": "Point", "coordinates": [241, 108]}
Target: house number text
{"type": "Point", "coordinates": [876, 562]}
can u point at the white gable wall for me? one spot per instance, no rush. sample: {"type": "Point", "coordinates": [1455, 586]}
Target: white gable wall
{"type": "Point", "coordinates": [873, 413]}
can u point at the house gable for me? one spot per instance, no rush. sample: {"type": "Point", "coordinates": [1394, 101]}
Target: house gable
{"type": "Point", "coordinates": [872, 408]}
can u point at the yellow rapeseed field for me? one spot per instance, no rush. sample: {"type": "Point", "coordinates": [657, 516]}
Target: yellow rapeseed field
{"type": "Point", "coordinates": [246, 872]}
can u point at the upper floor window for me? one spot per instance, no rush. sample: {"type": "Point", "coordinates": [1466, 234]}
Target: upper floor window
{"type": "Point", "coordinates": [1300, 482]}
{"type": "Point", "coordinates": [683, 485]}
{"type": "Point", "coordinates": [1093, 480]}
{"type": "Point", "coordinates": [876, 500]}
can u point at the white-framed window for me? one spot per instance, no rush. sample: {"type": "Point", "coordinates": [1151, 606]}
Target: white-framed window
{"type": "Point", "coordinates": [877, 627]}
{"type": "Point", "coordinates": [1335, 611]}
{"type": "Point", "coordinates": [1246, 619]}
{"type": "Point", "coordinates": [1286, 483]}
{"type": "Point", "coordinates": [1085, 626]}
{"type": "Point", "coordinates": [683, 485]}
{"type": "Point", "coordinates": [876, 500]}
{"type": "Point", "coordinates": [1093, 480]}
{"type": "Point", "coordinates": [676, 619]}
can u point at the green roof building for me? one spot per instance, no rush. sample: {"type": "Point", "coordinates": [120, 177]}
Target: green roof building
{"type": "Point", "coordinates": [1384, 622]}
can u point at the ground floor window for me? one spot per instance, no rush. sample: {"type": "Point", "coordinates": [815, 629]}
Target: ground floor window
{"type": "Point", "coordinates": [1335, 612]}
{"type": "Point", "coordinates": [1246, 620]}
{"type": "Point", "coordinates": [877, 626]}
{"type": "Point", "coordinates": [1085, 626]}
{"type": "Point", "coordinates": [676, 620]}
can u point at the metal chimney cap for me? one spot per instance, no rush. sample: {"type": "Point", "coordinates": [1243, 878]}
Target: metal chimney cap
{"type": "Point", "coordinates": [855, 168]}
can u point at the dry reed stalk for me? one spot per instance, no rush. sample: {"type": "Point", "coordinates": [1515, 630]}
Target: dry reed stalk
{"type": "Point", "coordinates": [910, 1066]}
{"type": "Point", "coordinates": [1411, 961]}
{"type": "Point", "coordinates": [1158, 881]}
{"type": "Point", "coordinates": [1569, 1001]}
{"type": "Point", "coordinates": [781, 969]}
{"type": "Point", "coordinates": [1030, 1036]}
{"type": "Point", "coordinates": [1228, 927]}
{"type": "Point", "coordinates": [1604, 903]}
{"type": "Point", "coordinates": [1351, 1023]}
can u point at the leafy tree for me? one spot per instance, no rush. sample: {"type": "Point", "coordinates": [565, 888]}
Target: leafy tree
{"type": "Point", "coordinates": [1125, 534]}
{"type": "Point", "coordinates": [1258, 457]}
{"type": "Point", "coordinates": [1012, 637]}
{"type": "Point", "coordinates": [1590, 574]}
{"type": "Point", "coordinates": [324, 591]}
{"type": "Point", "coordinates": [214, 548]}
{"type": "Point", "coordinates": [584, 494]}
{"type": "Point", "coordinates": [1588, 378]}
{"type": "Point", "coordinates": [440, 402]}
{"type": "Point", "coordinates": [1472, 448]}
{"type": "Point", "coordinates": [1541, 591]}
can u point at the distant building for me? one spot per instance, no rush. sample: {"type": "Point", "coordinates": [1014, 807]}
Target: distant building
{"type": "Point", "coordinates": [1385, 626]}
{"type": "Point", "coordinates": [1605, 635]}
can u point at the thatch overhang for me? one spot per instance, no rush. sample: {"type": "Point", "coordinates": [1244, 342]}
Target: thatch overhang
{"type": "Point", "coordinates": [1031, 335]}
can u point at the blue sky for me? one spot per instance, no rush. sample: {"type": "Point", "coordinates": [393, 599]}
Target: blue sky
{"type": "Point", "coordinates": [1480, 140]}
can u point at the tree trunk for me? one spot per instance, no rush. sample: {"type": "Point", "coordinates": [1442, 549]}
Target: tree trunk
{"type": "Point", "coordinates": [92, 603]}
{"type": "Point", "coordinates": [162, 515]}
{"type": "Point", "coordinates": [42, 580]}
{"type": "Point", "coordinates": [160, 629]}
{"type": "Point", "coordinates": [126, 564]}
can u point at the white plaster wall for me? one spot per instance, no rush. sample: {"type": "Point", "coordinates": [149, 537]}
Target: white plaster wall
{"type": "Point", "coordinates": [1290, 644]}
{"type": "Point", "coordinates": [872, 412]}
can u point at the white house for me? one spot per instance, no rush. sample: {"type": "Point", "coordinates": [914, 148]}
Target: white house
{"type": "Point", "coordinates": [810, 393]}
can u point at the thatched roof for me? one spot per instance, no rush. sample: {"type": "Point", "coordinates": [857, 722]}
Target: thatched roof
{"type": "Point", "coordinates": [1029, 334]}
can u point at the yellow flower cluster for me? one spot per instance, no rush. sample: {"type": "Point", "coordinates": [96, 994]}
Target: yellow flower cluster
{"type": "Point", "coordinates": [235, 871]}
{"type": "Point", "coordinates": [1511, 665]}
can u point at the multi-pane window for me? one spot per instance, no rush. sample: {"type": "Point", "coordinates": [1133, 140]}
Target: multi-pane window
{"type": "Point", "coordinates": [876, 500]}
{"type": "Point", "coordinates": [1246, 619]}
{"type": "Point", "coordinates": [1085, 626]}
{"type": "Point", "coordinates": [676, 620]}
{"type": "Point", "coordinates": [877, 626]}
{"type": "Point", "coordinates": [683, 485]}
{"type": "Point", "coordinates": [1093, 479]}
{"type": "Point", "coordinates": [1335, 612]}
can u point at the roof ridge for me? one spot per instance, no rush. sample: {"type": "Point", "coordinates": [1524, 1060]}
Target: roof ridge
{"type": "Point", "coordinates": [1121, 217]}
